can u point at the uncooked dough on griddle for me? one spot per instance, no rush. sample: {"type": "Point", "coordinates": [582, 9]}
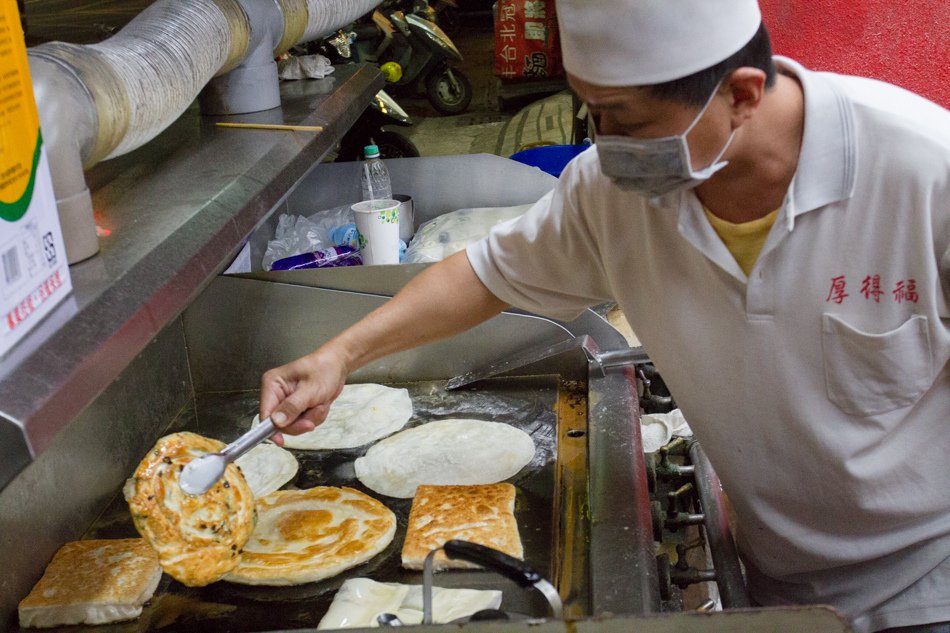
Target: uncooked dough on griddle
{"type": "Point", "coordinates": [360, 415]}
{"type": "Point", "coordinates": [445, 452]}
{"type": "Point", "coordinates": [360, 600]}
{"type": "Point", "coordinates": [267, 467]}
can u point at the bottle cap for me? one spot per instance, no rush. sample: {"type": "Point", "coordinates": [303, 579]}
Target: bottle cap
{"type": "Point", "coordinates": [371, 151]}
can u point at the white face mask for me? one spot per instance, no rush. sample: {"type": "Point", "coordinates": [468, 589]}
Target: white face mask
{"type": "Point", "coordinates": [656, 166]}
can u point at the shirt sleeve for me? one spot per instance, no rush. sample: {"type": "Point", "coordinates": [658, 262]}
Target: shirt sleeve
{"type": "Point", "coordinates": [547, 261]}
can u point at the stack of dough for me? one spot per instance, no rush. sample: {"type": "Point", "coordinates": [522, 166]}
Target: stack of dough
{"type": "Point", "coordinates": [198, 538]}
{"type": "Point", "coordinates": [445, 452]}
{"type": "Point", "coordinates": [308, 535]}
{"type": "Point", "coordinates": [93, 582]}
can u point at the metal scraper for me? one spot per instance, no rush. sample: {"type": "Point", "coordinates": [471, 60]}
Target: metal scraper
{"type": "Point", "coordinates": [604, 362]}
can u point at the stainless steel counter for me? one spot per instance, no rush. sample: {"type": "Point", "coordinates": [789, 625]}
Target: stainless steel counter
{"type": "Point", "coordinates": [172, 214]}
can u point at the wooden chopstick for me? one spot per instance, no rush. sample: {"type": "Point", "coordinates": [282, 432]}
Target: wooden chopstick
{"type": "Point", "coordinates": [273, 126]}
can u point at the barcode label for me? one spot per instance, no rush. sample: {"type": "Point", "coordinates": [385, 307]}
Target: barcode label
{"type": "Point", "coordinates": [11, 266]}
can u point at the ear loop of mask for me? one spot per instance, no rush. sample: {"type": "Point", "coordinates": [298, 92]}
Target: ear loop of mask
{"type": "Point", "coordinates": [732, 134]}
{"type": "Point", "coordinates": [705, 107]}
{"type": "Point", "coordinates": [693, 124]}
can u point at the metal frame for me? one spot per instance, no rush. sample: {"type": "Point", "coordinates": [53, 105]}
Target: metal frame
{"type": "Point", "coordinates": [176, 211]}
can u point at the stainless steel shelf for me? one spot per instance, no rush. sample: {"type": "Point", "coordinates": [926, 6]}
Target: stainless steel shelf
{"type": "Point", "coordinates": [172, 214]}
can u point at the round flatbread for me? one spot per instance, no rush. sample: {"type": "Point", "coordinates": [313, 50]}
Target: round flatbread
{"type": "Point", "coordinates": [308, 535]}
{"type": "Point", "coordinates": [198, 538]}
{"type": "Point", "coordinates": [445, 452]}
{"type": "Point", "coordinates": [267, 467]}
{"type": "Point", "coordinates": [360, 415]}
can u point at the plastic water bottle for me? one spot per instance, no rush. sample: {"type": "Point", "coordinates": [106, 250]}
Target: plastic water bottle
{"type": "Point", "coordinates": [374, 178]}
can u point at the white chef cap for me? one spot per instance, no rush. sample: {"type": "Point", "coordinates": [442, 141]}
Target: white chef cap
{"type": "Point", "coordinates": [640, 42]}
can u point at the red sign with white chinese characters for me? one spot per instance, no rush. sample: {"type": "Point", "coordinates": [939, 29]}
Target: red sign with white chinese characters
{"type": "Point", "coordinates": [526, 40]}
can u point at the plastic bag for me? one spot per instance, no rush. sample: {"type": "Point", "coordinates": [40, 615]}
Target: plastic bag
{"type": "Point", "coordinates": [448, 234]}
{"type": "Point", "coordinates": [657, 429]}
{"type": "Point", "coordinates": [337, 226]}
{"type": "Point", "coordinates": [296, 234]}
{"type": "Point", "coordinates": [304, 67]}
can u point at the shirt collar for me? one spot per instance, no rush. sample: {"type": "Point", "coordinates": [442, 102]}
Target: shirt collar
{"type": "Point", "coordinates": [827, 160]}
{"type": "Point", "coordinates": [825, 172]}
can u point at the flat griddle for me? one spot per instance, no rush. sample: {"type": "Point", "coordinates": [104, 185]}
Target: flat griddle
{"type": "Point", "coordinates": [549, 509]}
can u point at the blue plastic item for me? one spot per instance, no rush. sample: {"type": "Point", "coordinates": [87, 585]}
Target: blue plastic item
{"type": "Point", "coordinates": [331, 257]}
{"type": "Point", "coordinates": [550, 159]}
{"type": "Point", "coordinates": [345, 235]}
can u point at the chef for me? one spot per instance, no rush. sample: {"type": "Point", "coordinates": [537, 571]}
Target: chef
{"type": "Point", "coordinates": [779, 239]}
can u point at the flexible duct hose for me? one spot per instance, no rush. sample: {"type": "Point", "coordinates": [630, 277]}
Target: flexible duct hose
{"type": "Point", "coordinates": [326, 20]}
{"type": "Point", "coordinates": [178, 46]}
{"type": "Point", "coordinates": [104, 100]}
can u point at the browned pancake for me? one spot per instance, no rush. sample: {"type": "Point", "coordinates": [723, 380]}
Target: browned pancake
{"type": "Point", "coordinates": [482, 514]}
{"type": "Point", "coordinates": [308, 535]}
{"type": "Point", "coordinates": [198, 538]}
{"type": "Point", "coordinates": [93, 582]}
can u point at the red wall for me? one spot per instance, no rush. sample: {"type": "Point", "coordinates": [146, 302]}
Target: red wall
{"type": "Point", "coordinates": [904, 42]}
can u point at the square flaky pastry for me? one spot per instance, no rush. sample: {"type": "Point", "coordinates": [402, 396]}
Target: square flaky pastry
{"type": "Point", "coordinates": [483, 514]}
{"type": "Point", "coordinates": [93, 582]}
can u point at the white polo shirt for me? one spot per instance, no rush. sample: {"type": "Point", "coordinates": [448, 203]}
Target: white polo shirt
{"type": "Point", "coordinates": [819, 385]}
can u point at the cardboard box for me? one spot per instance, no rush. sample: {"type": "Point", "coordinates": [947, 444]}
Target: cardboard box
{"type": "Point", "coordinates": [34, 275]}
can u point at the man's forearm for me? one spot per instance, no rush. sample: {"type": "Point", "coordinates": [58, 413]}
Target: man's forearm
{"type": "Point", "coordinates": [445, 299]}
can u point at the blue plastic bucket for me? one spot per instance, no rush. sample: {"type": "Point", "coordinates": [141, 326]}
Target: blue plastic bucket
{"type": "Point", "coordinates": [551, 158]}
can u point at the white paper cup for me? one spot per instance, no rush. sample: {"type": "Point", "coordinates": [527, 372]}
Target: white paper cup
{"type": "Point", "coordinates": [378, 224]}
{"type": "Point", "coordinates": [406, 217]}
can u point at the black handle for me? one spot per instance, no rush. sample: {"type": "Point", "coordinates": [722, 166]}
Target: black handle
{"type": "Point", "coordinates": [506, 565]}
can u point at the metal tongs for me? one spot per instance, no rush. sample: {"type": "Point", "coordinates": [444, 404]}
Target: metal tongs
{"type": "Point", "coordinates": [201, 473]}
{"type": "Point", "coordinates": [489, 558]}
{"type": "Point", "coordinates": [508, 566]}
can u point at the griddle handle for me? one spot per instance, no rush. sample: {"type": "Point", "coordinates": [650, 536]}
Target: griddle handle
{"type": "Point", "coordinates": [506, 565]}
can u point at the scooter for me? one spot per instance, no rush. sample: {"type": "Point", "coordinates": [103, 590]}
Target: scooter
{"type": "Point", "coordinates": [369, 128]}
{"type": "Point", "coordinates": [415, 53]}
{"type": "Point", "coordinates": [381, 112]}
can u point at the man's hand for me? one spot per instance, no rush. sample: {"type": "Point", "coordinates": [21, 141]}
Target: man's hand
{"type": "Point", "coordinates": [297, 396]}
{"type": "Point", "coordinates": [443, 300]}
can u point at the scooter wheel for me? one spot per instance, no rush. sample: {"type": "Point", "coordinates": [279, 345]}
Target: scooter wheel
{"type": "Point", "coordinates": [449, 91]}
{"type": "Point", "coordinates": [394, 145]}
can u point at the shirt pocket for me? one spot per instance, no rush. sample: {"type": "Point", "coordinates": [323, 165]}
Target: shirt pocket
{"type": "Point", "coordinates": [866, 373]}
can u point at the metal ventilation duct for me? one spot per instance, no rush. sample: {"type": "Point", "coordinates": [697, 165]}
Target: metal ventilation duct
{"type": "Point", "coordinates": [103, 100]}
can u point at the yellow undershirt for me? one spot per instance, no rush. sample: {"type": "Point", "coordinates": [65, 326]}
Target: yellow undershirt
{"type": "Point", "coordinates": [745, 240]}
